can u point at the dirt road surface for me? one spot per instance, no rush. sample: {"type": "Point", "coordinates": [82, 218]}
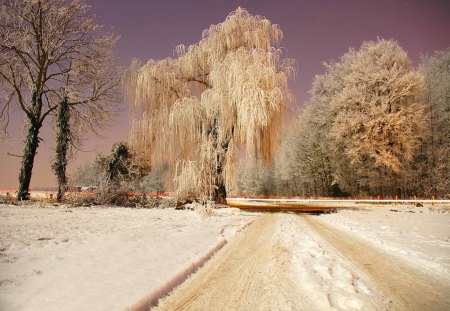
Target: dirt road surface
{"type": "Point", "coordinates": [255, 272]}
{"type": "Point", "coordinates": [249, 273]}
{"type": "Point", "coordinates": [405, 287]}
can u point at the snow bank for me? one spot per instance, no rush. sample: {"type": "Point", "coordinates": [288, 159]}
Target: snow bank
{"type": "Point", "coordinates": [413, 234]}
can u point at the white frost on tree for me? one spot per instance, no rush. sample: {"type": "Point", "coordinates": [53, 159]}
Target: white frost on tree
{"type": "Point", "coordinates": [230, 89]}
{"type": "Point", "coordinates": [436, 70]}
{"type": "Point", "coordinates": [255, 177]}
{"type": "Point", "coordinates": [303, 165]}
{"type": "Point", "coordinates": [361, 129]}
{"type": "Point", "coordinates": [377, 113]}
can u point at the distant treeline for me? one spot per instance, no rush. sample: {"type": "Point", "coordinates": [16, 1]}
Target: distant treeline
{"type": "Point", "coordinates": [374, 125]}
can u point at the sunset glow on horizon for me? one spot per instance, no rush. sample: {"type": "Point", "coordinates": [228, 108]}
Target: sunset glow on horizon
{"type": "Point", "coordinates": [314, 32]}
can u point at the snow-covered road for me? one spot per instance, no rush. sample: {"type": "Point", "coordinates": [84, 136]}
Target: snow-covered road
{"type": "Point", "coordinates": [103, 258]}
{"type": "Point", "coordinates": [299, 262]}
{"type": "Point", "coordinates": [405, 285]}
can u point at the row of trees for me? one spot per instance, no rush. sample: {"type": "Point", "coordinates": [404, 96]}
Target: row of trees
{"type": "Point", "coordinates": [373, 126]}
{"type": "Point", "coordinates": [432, 170]}
{"type": "Point", "coordinates": [57, 64]}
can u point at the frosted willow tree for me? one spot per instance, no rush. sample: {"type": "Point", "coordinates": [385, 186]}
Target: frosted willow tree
{"type": "Point", "coordinates": [377, 115]}
{"type": "Point", "coordinates": [436, 70]}
{"type": "Point", "coordinates": [228, 90]}
{"type": "Point", "coordinates": [52, 52]}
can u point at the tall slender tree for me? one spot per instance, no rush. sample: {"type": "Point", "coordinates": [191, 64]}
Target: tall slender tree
{"type": "Point", "coordinates": [63, 140]}
{"type": "Point", "coordinates": [304, 165]}
{"type": "Point", "coordinates": [41, 43]}
{"type": "Point", "coordinates": [435, 175]}
{"type": "Point", "coordinates": [229, 89]}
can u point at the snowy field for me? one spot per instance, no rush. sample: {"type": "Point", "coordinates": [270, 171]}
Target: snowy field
{"type": "Point", "coordinates": [60, 258]}
{"type": "Point", "coordinates": [417, 235]}
{"type": "Point", "coordinates": [100, 258]}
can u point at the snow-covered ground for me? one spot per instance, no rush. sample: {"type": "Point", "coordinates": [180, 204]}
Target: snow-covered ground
{"type": "Point", "coordinates": [287, 261]}
{"type": "Point", "coordinates": [418, 235]}
{"type": "Point", "coordinates": [59, 258]}
{"type": "Point", "coordinates": [330, 281]}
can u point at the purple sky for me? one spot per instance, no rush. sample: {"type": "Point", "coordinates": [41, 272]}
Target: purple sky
{"type": "Point", "coordinates": [314, 31]}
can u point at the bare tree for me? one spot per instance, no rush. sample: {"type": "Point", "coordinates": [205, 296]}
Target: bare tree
{"type": "Point", "coordinates": [50, 51]}
{"type": "Point", "coordinates": [254, 178]}
{"type": "Point", "coordinates": [230, 89]}
{"type": "Point", "coordinates": [304, 165]}
{"type": "Point", "coordinates": [436, 161]}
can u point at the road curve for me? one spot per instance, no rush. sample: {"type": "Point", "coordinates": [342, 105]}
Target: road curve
{"type": "Point", "coordinates": [250, 273]}
{"type": "Point", "coordinates": [254, 272]}
{"type": "Point", "coordinates": [405, 287]}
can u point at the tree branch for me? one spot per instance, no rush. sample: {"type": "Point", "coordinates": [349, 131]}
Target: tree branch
{"type": "Point", "coordinates": [14, 155]}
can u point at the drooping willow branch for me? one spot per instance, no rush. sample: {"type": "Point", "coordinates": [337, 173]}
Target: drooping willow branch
{"type": "Point", "coordinates": [229, 89]}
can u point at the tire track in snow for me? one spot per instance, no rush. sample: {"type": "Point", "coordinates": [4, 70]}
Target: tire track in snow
{"type": "Point", "coordinates": [406, 287]}
{"type": "Point", "coordinates": [250, 273]}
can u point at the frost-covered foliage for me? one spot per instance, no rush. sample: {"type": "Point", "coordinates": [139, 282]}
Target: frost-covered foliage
{"type": "Point", "coordinates": [120, 172]}
{"type": "Point", "coordinates": [255, 177]}
{"type": "Point", "coordinates": [378, 115]}
{"type": "Point", "coordinates": [362, 127]}
{"type": "Point", "coordinates": [303, 165]}
{"type": "Point", "coordinates": [153, 182]}
{"type": "Point", "coordinates": [114, 176]}
{"type": "Point", "coordinates": [229, 89]}
{"type": "Point", "coordinates": [435, 166]}
{"type": "Point", "coordinates": [86, 175]}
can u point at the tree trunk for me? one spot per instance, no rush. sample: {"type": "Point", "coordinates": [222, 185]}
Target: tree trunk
{"type": "Point", "coordinates": [220, 194]}
{"type": "Point", "coordinates": [62, 146]}
{"type": "Point", "coordinates": [31, 145]}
